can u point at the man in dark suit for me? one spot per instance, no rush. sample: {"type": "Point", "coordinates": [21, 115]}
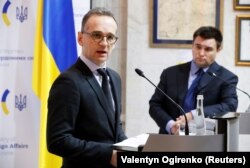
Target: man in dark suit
{"type": "Point", "coordinates": [82, 125]}
{"type": "Point", "coordinates": [219, 96]}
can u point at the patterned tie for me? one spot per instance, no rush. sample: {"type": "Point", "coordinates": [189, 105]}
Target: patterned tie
{"type": "Point", "coordinates": [190, 98]}
{"type": "Point", "coordinates": [105, 86]}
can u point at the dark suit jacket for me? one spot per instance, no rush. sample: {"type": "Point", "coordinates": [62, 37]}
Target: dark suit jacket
{"type": "Point", "coordinates": [219, 96]}
{"type": "Point", "coordinates": [81, 128]}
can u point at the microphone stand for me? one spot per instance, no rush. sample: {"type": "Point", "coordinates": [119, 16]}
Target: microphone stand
{"type": "Point", "coordinates": [248, 109]}
{"type": "Point", "coordinates": [140, 73]}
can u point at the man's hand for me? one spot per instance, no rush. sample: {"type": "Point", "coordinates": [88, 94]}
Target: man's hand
{"type": "Point", "coordinates": [175, 127]}
{"type": "Point", "coordinates": [181, 118]}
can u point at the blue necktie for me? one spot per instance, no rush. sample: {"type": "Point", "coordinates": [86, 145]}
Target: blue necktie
{"type": "Point", "coordinates": [105, 86]}
{"type": "Point", "coordinates": [190, 97]}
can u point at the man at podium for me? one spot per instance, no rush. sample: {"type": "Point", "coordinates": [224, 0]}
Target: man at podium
{"type": "Point", "coordinates": [216, 83]}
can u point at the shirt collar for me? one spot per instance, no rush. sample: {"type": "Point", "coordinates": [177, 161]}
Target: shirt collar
{"type": "Point", "coordinates": [92, 66]}
{"type": "Point", "coordinates": [195, 68]}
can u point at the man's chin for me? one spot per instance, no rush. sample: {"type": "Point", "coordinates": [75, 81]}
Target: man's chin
{"type": "Point", "coordinates": [202, 64]}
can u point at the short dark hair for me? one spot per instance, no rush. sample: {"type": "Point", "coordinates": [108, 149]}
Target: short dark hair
{"type": "Point", "coordinates": [209, 32]}
{"type": "Point", "coordinates": [96, 11]}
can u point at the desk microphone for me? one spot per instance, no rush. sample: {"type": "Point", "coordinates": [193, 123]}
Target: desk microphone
{"type": "Point", "coordinates": [214, 75]}
{"type": "Point", "coordinates": [140, 73]}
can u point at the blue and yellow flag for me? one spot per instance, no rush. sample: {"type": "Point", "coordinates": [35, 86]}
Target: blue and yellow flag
{"type": "Point", "coordinates": [55, 50]}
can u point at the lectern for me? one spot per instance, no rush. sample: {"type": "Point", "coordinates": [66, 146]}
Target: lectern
{"type": "Point", "coordinates": [228, 124]}
{"type": "Point", "coordinates": [192, 143]}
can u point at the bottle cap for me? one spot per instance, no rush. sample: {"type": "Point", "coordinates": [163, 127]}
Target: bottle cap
{"type": "Point", "coordinates": [200, 97]}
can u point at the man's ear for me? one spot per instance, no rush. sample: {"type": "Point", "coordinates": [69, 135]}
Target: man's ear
{"type": "Point", "coordinates": [219, 49]}
{"type": "Point", "coordinates": [80, 38]}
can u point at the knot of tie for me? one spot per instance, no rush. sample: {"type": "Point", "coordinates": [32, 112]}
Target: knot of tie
{"type": "Point", "coordinates": [102, 72]}
{"type": "Point", "coordinates": [199, 72]}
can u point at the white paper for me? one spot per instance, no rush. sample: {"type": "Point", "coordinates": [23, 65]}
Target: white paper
{"type": "Point", "coordinates": [133, 143]}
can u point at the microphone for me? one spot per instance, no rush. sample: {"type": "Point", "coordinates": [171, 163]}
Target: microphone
{"type": "Point", "coordinates": [140, 73]}
{"type": "Point", "coordinates": [214, 75]}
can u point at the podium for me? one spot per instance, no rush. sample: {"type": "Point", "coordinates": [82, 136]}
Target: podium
{"type": "Point", "coordinates": [228, 124]}
{"type": "Point", "coordinates": [192, 143]}
{"type": "Point", "coordinates": [225, 138]}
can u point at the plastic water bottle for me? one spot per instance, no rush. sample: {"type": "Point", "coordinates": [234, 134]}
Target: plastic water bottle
{"type": "Point", "coordinates": [199, 117]}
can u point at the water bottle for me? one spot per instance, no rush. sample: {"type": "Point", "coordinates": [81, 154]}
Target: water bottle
{"type": "Point", "coordinates": [199, 117]}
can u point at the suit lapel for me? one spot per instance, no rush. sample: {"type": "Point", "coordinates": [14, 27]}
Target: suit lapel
{"type": "Point", "coordinates": [115, 86]}
{"type": "Point", "coordinates": [206, 79]}
{"type": "Point", "coordinates": [97, 89]}
{"type": "Point", "coordinates": [183, 81]}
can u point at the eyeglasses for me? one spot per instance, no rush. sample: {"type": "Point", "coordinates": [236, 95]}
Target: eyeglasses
{"type": "Point", "coordinates": [98, 36]}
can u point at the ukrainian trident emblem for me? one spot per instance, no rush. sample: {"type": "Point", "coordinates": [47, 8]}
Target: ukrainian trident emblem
{"type": "Point", "coordinates": [20, 102]}
{"type": "Point", "coordinates": [21, 13]}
